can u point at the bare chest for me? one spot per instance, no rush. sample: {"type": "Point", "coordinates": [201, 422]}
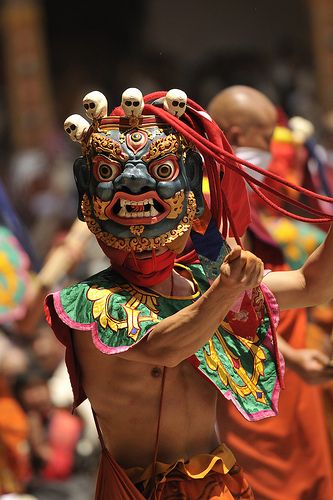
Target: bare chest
{"type": "Point", "coordinates": [127, 398]}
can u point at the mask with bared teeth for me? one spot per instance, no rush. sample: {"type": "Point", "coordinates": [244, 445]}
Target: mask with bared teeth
{"type": "Point", "coordinates": [136, 181]}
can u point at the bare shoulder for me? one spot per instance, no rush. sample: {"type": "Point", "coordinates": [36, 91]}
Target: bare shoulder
{"type": "Point", "coordinates": [288, 288]}
{"type": "Point", "coordinates": [93, 363]}
{"type": "Point", "coordinates": [84, 346]}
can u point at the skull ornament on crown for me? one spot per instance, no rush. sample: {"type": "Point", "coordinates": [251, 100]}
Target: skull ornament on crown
{"type": "Point", "coordinates": [132, 102]}
{"type": "Point", "coordinates": [175, 102]}
{"type": "Point", "coordinates": [95, 105]}
{"type": "Point", "coordinates": [137, 176]}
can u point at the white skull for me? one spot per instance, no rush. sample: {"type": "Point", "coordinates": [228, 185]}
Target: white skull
{"type": "Point", "coordinates": [175, 102]}
{"type": "Point", "coordinates": [132, 102]}
{"type": "Point", "coordinates": [76, 126]}
{"type": "Point", "coordinates": [301, 128]}
{"type": "Point", "coordinates": [95, 105]}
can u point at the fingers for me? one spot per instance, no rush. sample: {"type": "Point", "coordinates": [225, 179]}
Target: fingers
{"type": "Point", "coordinates": [232, 263]}
{"type": "Point", "coordinates": [314, 366]}
{"type": "Point", "coordinates": [234, 254]}
{"type": "Point", "coordinates": [253, 273]}
{"type": "Point", "coordinates": [243, 267]}
{"type": "Point", "coordinates": [322, 358]}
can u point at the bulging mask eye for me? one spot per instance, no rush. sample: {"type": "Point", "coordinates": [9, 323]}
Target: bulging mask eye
{"type": "Point", "coordinates": [164, 169]}
{"type": "Point", "coordinates": [105, 170]}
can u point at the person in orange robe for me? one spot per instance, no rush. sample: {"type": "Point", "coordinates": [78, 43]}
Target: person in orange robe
{"type": "Point", "coordinates": [287, 457]}
{"type": "Point", "coordinates": [14, 451]}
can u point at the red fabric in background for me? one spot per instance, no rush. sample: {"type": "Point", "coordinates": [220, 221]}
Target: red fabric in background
{"type": "Point", "coordinates": [288, 456]}
{"type": "Point", "coordinates": [236, 193]}
{"type": "Point", "coordinates": [63, 434]}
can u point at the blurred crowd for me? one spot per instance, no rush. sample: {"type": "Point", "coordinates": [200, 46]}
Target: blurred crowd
{"type": "Point", "coordinates": [46, 451]}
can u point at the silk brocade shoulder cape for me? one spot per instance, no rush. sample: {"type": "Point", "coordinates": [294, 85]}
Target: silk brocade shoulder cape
{"type": "Point", "coordinates": [238, 359]}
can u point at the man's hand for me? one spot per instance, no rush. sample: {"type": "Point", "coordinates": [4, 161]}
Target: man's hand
{"type": "Point", "coordinates": [311, 365]}
{"type": "Point", "coordinates": [179, 336]}
{"type": "Point", "coordinates": [241, 270]}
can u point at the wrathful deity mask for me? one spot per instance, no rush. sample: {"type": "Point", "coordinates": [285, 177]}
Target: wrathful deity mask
{"type": "Point", "coordinates": [139, 180]}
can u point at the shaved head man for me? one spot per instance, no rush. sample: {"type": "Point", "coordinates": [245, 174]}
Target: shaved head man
{"type": "Point", "coordinates": [248, 119]}
{"type": "Point", "coordinates": [245, 115]}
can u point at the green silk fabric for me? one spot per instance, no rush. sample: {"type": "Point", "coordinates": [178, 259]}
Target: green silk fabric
{"type": "Point", "coordinates": [243, 369]}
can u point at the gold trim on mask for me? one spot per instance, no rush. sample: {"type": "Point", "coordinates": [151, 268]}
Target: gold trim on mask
{"type": "Point", "coordinates": [176, 204]}
{"type": "Point", "coordinates": [99, 208]}
{"type": "Point", "coordinates": [138, 244]}
{"type": "Point", "coordinates": [186, 145]}
{"type": "Point", "coordinates": [161, 147]}
{"type": "Point", "coordinates": [137, 230]}
{"type": "Point", "coordinates": [107, 145]}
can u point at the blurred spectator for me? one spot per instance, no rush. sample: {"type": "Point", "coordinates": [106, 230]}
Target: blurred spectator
{"type": "Point", "coordinates": [53, 436]}
{"type": "Point", "coordinates": [13, 358]}
{"type": "Point", "coordinates": [286, 458]}
{"type": "Point", "coordinates": [14, 459]}
{"type": "Point", "coordinates": [43, 185]}
{"type": "Point", "coordinates": [50, 354]}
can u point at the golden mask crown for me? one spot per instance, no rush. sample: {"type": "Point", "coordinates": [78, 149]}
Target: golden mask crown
{"type": "Point", "coordinates": [132, 103]}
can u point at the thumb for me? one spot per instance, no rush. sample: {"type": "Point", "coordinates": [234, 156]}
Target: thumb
{"type": "Point", "coordinates": [234, 254]}
{"type": "Point", "coordinates": [321, 357]}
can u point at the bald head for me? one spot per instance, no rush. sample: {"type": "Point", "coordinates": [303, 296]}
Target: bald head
{"type": "Point", "coordinates": [247, 116]}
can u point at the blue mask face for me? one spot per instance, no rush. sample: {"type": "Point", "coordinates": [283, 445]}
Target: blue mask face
{"type": "Point", "coordinates": [136, 184]}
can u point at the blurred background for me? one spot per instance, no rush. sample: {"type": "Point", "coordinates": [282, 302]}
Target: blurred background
{"type": "Point", "coordinates": [52, 54]}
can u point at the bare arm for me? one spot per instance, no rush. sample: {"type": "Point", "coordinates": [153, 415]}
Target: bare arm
{"type": "Point", "coordinates": [310, 364]}
{"type": "Point", "coordinates": [182, 334]}
{"type": "Point", "coordinates": [310, 285]}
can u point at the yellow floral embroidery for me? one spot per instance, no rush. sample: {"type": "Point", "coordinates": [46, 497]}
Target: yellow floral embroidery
{"type": "Point", "coordinates": [250, 382]}
{"type": "Point", "coordinates": [101, 299]}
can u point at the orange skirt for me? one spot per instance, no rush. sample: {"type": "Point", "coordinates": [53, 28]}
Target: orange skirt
{"type": "Point", "coordinates": [214, 476]}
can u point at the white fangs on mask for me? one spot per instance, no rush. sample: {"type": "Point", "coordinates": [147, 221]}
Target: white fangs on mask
{"type": "Point", "coordinates": [137, 208]}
